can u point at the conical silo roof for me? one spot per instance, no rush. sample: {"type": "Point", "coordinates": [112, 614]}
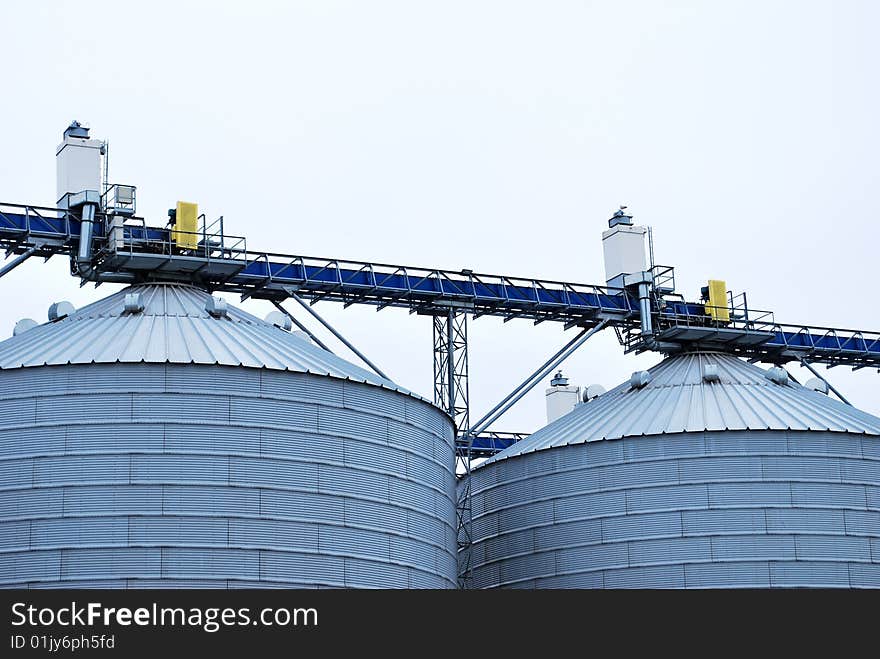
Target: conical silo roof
{"type": "Point", "coordinates": [175, 327]}
{"type": "Point", "coordinates": [696, 392]}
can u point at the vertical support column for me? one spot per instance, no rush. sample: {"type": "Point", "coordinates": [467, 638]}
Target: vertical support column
{"type": "Point", "coordinates": [451, 367]}
{"type": "Point", "coordinates": [452, 394]}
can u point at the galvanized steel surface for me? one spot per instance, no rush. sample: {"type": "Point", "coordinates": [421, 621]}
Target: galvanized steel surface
{"type": "Point", "coordinates": [174, 327]}
{"type": "Point", "coordinates": [678, 399]}
{"type": "Point", "coordinates": [686, 482]}
{"type": "Point", "coordinates": [167, 475]}
{"type": "Point", "coordinates": [699, 510]}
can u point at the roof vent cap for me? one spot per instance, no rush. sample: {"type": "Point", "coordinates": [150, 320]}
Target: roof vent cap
{"type": "Point", "coordinates": [639, 379]}
{"type": "Point", "coordinates": [279, 320]}
{"type": "Point", "coordinates": [303, 335]}
{"type": "Point", "coordinates": [711, 374]}
{"type": "Point", "coordinates": [777, 374]}
{"type": "Point", "coordinates": [23, 326]}
{"type": "Point", "coordinates": [592, 391]}
{"type": "Point", "coordinates": [60, 310]}
{"type": "Point", "coordinates": [76, 129]}
{"type": "Point", "coordinates": [216, 307]}
{"type": "Point", "coordinates": [133, 303]}
{"type": "Point", "coordinates": [559, 380]}
{"type": "Point", "coordinates": [817, 384]}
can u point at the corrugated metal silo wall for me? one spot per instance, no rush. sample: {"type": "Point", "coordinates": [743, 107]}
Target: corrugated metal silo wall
{"type": "Point", "coordinates": [727, 509]}
{"type": "Point", "coordinates": [156, 475]}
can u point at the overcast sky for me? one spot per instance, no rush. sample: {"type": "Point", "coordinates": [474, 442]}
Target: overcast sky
{"type": "Point", "coordinates": [496, 136]}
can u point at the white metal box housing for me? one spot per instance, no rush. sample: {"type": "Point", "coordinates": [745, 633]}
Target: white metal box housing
{"type": "Point", "coordinates": [78, 167]}
{"type": "Point", "coordinates": [561, 400]}
{"type": "Point", "coordinates": [624, 248]}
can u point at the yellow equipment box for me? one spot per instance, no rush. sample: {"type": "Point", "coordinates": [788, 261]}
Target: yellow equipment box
{"type": "Point", "coordinates": [717, 307]}
{"type": "Point", "coordinates": [186, 225]}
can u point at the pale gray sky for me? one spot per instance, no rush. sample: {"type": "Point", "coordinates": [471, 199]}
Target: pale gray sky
{"type": "Point", "coordinates": [497, 136]}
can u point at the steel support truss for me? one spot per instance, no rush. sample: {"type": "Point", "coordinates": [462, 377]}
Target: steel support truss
{"type": "Point", "coordinates": [451, 367]}
{"type": "Point", "coordinates": [451, 394]}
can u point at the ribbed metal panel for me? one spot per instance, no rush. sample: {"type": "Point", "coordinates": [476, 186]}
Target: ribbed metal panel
{"type": "Point", "coordinates": [298, 387]}
{"type": "Point", "coordinates": [71, 532]}
{"type": "Point", "coordinates": [106, 438]}
{"type": "Point", "coordinates": [368, 399]}
{"type": "Point", "coordinates": [208, 476]}
{"type": "Point", "coordinates": [186, 380]}
{"type": "Point", "coordinates": [864, 575]}
{"type": "Point", "coordinates": [107, 500]}
{"type": "Point", "coordinates": [665, 576]}
{"type": "Point", "coordinates": [214, 563]}
{"type": "Point", "coordinates": [754, 511]}
{"type": "Point", "coordinates": [176, 583]}
{"type": "Point", "coordinates": [15, 535]}
{"type": "Point", "coordinates": [30, 441]}
{"type": "Point", "coordinates": [796, 468]}
{"type": "Point", "coordinates": [753, 547]}
{"type": "Point", "coordinates": [670, 550]}
{"type": "Point", "coordinates": [754, 494]}
{"type": "Point", "coordinates": [308, 506]}
{"type": "Point", "coordinates": [678, 400]}
{"type": "Point", "coordinates": [668, 497]}
{"type": "Point", "coordinates": [833, 548]}
{"type": "Point", "coordinates": [424, 416]}
{"type": "Point", "coordinates": [589, 505]}
{"type": "Point", "coordinates": [419, 579]}
{"type": "Point", "coordinates": [305, 446]}
{"type": "Point", "coordinates": [354, 542]}
{"type": "Point", "coordinates": [598, 556]}
{"type": "Point", "coordinates": [720, 469]}
{"type": "Point", "coordinates": [17, 473]}
{"type": "Point", "coordinates": [16, 412]}
{"type": "Point", "coordinates": [872, 496]}
{"type": "Point", "coordinates": [119, 562]}
{"type": "Point", "coordinates": [108, 378]}
{"type": "Point", "coordinates": [78, 406]}
{"type": "Point", "coordinates": [709, 522]}
{"type": "Point", "coordinates": [16, 567]}
{"type": "Point", "coordinates": [257, 411]}
{"type": "Point", "coordinates": [416, 494]}
{"type": "Point", "coordinates": [268, 472]}
{"type": "Point", "coordinates": [402, 434]}
{"type": "Point", "coordinates": [169, 530]}
{"type": "Point", "coordinates": [179, 469]}
{"type": "Point", "coordinates": [110, 584]}
{"type": "Point", "coordinates": [81, 470]}
{"type": "Point", "coordinates": [319, 569]}
{"type": "Point", "coordinates": [369, 455]}
{"type": "Point", "coordinates": [375, 574]}
{"type": "Point", "coordinates": [829, 495]}
{"type": "Point", "coordinates": [28, 504]}
{"type": "Point", "coordinates": [641, 526]}
{"type": "Point", "coordinates": [862, 522]}
{"type": "Point", "coordinates": [273, 533]}
{"type": "Point", "coordinates": [572, 580]}
{"type": "Point", "coordinates": [809, 573]}
{"type": "Point", "coordinates": [727, 575]}
{"type": "Point", "coordinates": [805, 520]}
{"type": "Point", "coordinates": [410, 551]}
{"type": "Point", "coordinates": [174, 328]}
{"type": "Point", "coordinates": [564, 534]}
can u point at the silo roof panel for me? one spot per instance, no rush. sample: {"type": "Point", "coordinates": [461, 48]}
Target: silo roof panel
{"type": "Point", "coordinates": [678, 399]}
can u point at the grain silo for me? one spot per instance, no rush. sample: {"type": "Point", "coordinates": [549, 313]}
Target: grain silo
{"type": "Point", "coordinates": [160, 438]}
{"type": "Point", "coordinates": [705, 471]}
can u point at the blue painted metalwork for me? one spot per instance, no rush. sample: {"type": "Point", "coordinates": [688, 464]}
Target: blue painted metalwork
{"type": "Point", "coordinates": [223, 263]}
